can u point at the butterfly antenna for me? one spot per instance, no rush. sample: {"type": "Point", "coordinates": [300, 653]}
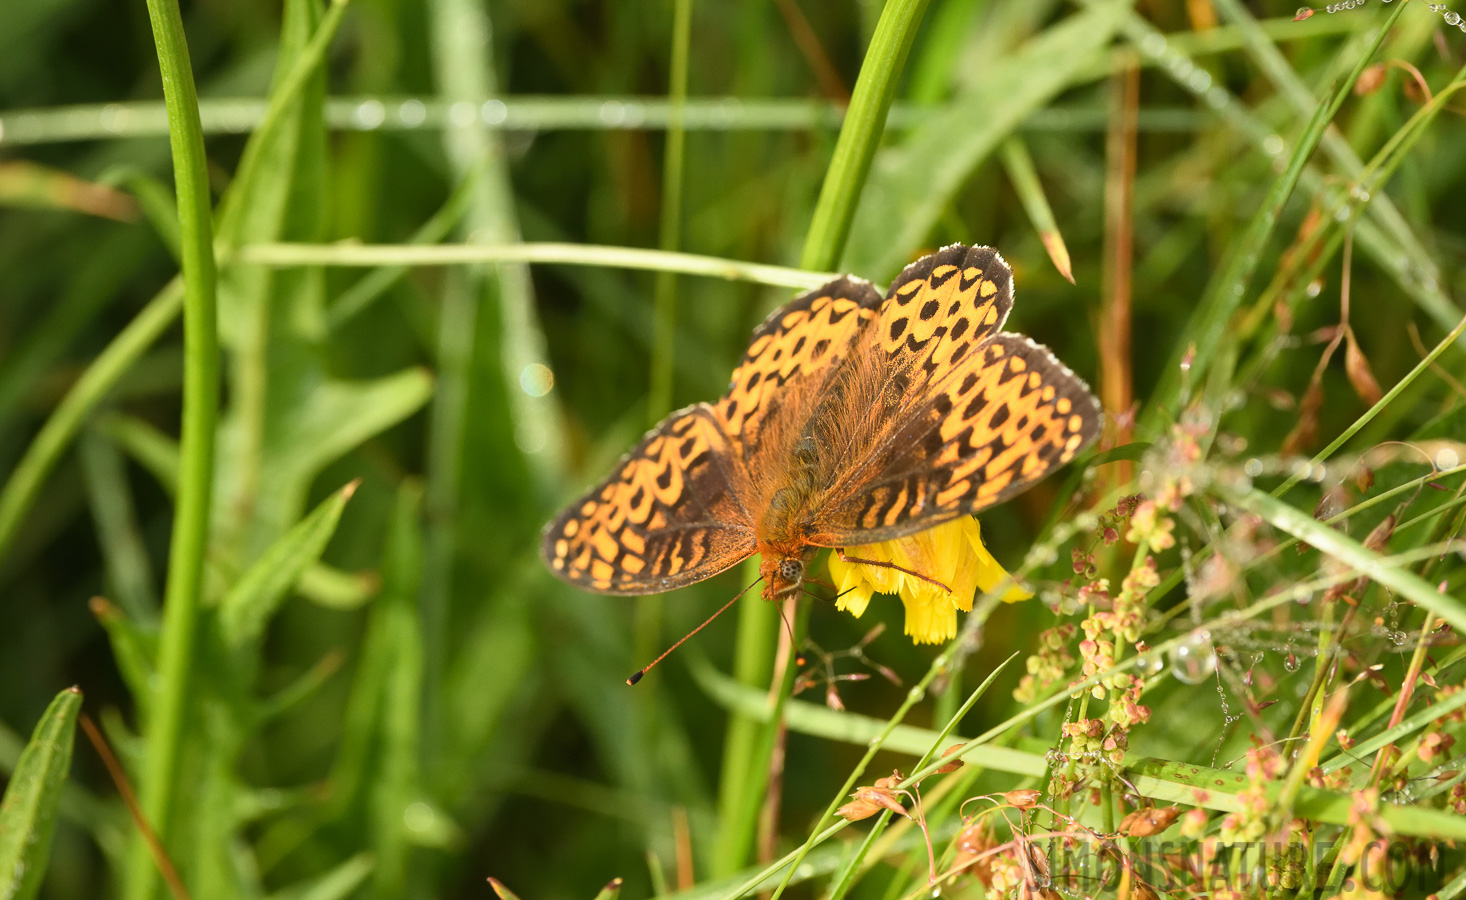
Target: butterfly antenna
{"type": "Point", "coordinates": [637, 676]}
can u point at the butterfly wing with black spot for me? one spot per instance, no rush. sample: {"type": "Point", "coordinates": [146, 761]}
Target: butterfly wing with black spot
{"type": "Point", "coordinates": [972, 415]}
{"type": "Point", "coordinates": [670, 514]}
{"type": "Point", "coordinates": [805, 338]}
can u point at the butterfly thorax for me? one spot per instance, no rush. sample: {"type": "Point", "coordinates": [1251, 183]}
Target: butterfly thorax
{"type": "Point", "coordinates": [782, 530]}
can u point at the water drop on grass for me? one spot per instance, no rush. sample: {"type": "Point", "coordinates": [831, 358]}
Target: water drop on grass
{"type": "Point", "coordinates": [1193, 659]}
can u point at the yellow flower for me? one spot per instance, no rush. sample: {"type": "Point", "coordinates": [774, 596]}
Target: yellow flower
{"type": "Point", "coordinates": [952, 554]}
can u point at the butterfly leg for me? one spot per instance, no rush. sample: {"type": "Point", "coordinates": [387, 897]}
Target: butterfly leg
{"type": "Point", "coordinates": [886, 565]}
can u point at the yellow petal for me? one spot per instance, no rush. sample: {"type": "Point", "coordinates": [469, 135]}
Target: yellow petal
{"type": "Point", "coordinates": [952, 554]}
{"type": "Point", "coordinates": [989, 571]}
{"type": "Point", "coordinates": [854, 592]}
{"type": "Point", "coordinates": [929, 619]}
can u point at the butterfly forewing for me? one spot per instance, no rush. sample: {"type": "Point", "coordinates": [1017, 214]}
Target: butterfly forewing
{"type": "Point", "coordinates": [939, 309]}
{"type": "Point", "coordinates": [972, 416]}
{"type": "Point", "coordinates": [670, 514]}
{"type": "Point", "coordinates": [800, 340]}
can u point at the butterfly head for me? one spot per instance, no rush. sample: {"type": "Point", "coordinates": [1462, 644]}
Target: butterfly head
{"type": "Point", "coordinates": [783, 574]}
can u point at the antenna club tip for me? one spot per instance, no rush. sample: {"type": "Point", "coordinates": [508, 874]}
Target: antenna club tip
{"type": "Point", "coordinates": [636, 677]}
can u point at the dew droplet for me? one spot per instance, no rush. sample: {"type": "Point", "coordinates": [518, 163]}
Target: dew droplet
{"type": "Point", "coordinates": [1149, 664]}
{"type": "Point", "coordinates": [494, 112]}
{"type": "Point", "coordinates": [1193, 659]}
{"type": "Point", "coordinates": [1315, 287]}
{"type": "Point", "coordinates": [369, 114]}
{"type": "Point", "coordinates": [1253, 467]}
{"type": "Point", "coordinates": [536, 379]}
{"type": "Point", "coordinates": [1447, 459]}
{"type": "Point", "coordinates": [115, 117]}
{"type": "Point", "coordinates": [1290, 662]}
{"type": "Point", "coordinates": [412, 113]}
{"type": "Point", "coordinates": [613, 113]}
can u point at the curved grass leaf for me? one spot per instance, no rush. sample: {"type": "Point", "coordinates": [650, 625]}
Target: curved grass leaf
{"type": "Point", "coordinates": [865, 121]}
{"type": "Point", "coordinates": [1352, 553]}
{"type": "Point", "coordinates": [248, 607]}
{"type": "Point", "coordinates": [28, 812]}
{"type": "Point", "coordinates": [911, 184]}
{"type": "Point", "coordinates": [337, 884]}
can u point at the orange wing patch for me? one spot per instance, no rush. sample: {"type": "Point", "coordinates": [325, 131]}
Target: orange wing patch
{"type": "Point", "coordinates": [808, 335]}
{"type": "Point", "coordinates": [669, 515]}
{"type": "Point", "coordinates": [1006, 418]}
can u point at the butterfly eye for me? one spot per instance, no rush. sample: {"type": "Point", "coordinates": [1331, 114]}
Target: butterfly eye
{"type": "Point", "coordinates": [791, 570]}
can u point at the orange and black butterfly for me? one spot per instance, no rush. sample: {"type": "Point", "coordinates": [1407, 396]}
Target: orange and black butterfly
{"type": "Point", "coordinates": [852, 419]}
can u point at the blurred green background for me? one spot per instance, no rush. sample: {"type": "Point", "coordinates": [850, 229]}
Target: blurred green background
{"type": "Point", "coordinates": [426, 707]}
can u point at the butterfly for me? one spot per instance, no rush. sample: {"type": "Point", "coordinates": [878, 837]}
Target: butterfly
{"type": "Point", "coordinates": [853, 418]}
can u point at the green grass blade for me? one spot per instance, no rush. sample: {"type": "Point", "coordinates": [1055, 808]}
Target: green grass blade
{"type": "Point", "coordinates": [738, 821]}
{"type": "Point", "coordinates": [150, 448]}
{"type": "Point", "coordinates": [246, 609]}
{"type": "Point", "coordinates": [1036, 203]}
{"type": "Point", "coordinates": [1383, 403]}
{"type": "Point", "coordinates": [753, 665]}
{"type": "Point", "coordinates": [337, 884]}
{"type": "Point", "coordinates": [1179, 783]}
{"type": "Point", "coordinates": [134, 648]}
{"type": "Point", "coordinates": [1350, 552]}
{"type": "Point", "coordinates": [28, 810]}
{"type": "Point", "coordinates": [295, 81]}
{"type": "Point", "coordinates": [817, 720]}
{"type": "Point", "coordinates": [355, 254]}
{"type": "Point", "coordinates": [664, 347]}
{"type": "Point", "coordinates": [1206, 330]}
{"type": "Point", "coordinates": [1411, 724]}
{"type": "Point", "coordinates": [165, 727]}
{"type": "Point", "coordinates": [844, 880]}
{"type": "Point", "coordinates": [860, 136]}
{"type": "Point", "coordinates": [41, 457]}
{"type": "Point", "coordinates": [361, 295]}
{"type": "Point", "coordinates": [915, 181]}
{"type": "Point", "coordinates": [129, 570]}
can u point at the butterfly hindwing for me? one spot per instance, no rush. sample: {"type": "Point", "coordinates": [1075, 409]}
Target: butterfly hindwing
{"type": "Point", "coordinates": [805, 337]}
{"type": "Point", "coordinates": [669, 515]}
{"type": "Point", "coordinates": [1003, 419]}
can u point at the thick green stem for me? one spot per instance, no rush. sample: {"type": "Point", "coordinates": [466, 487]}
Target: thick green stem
{"type": "Point", "coordinates": [659, 399]}
{"type": "Point", "coordinates": [165, 728]}
{"type": "Point", "coordinates": [860, 136]}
